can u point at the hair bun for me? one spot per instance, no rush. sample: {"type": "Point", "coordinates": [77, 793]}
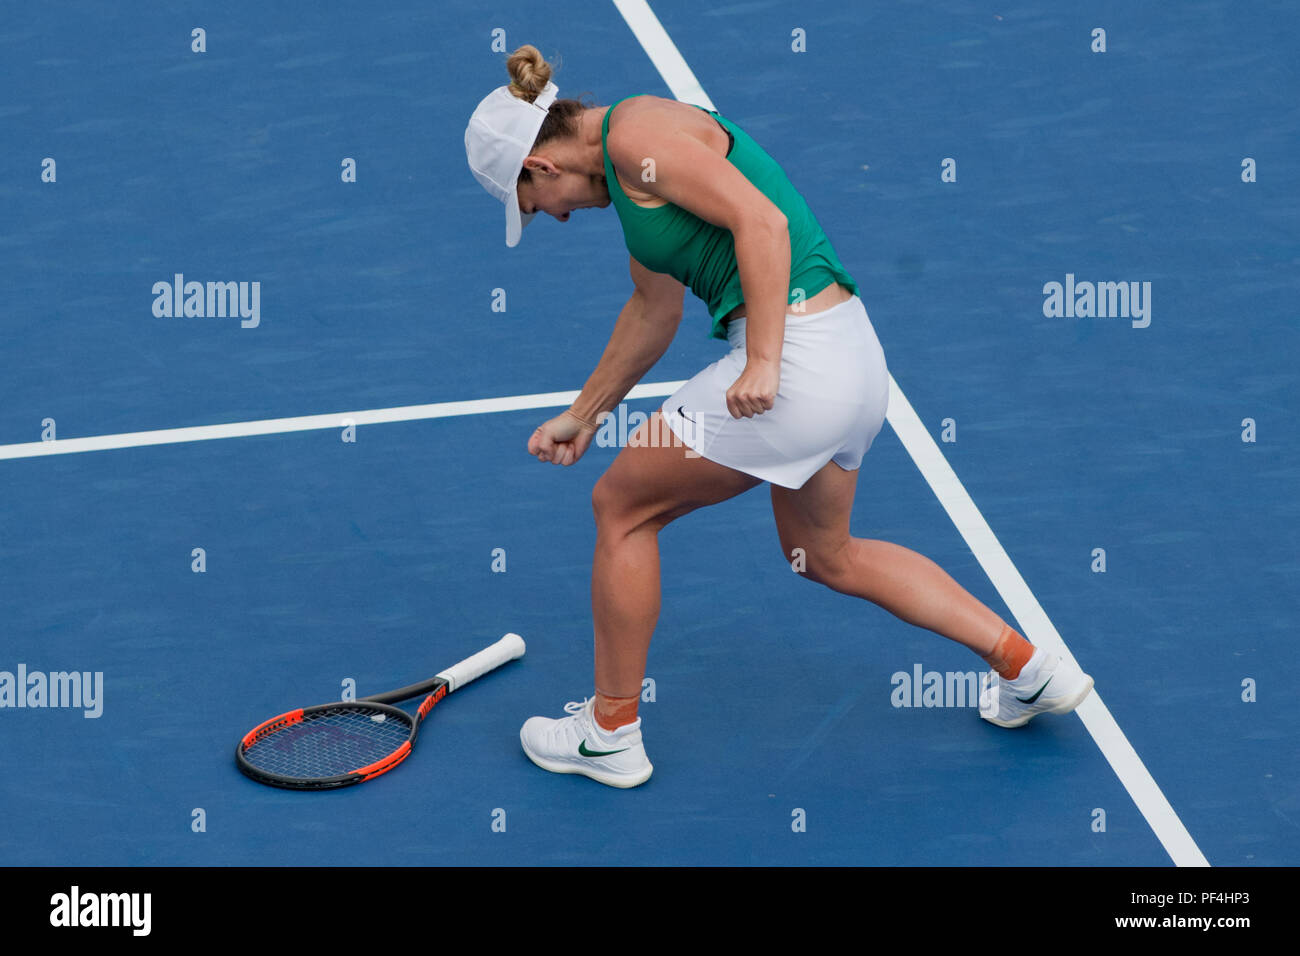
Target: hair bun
{"type": "Point", "coordinates": [529, 73]}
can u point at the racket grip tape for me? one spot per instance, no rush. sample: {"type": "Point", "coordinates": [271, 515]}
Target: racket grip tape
{"type": "Point", "coordinates": [491, 657]}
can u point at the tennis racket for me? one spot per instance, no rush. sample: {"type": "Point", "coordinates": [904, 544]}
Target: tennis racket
{"type": "Point", "coordinates": [339, 744]}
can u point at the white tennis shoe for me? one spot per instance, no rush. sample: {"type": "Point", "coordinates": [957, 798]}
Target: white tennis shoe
{"type": "Point", "coordinates": [577, 744]}
{"type": "Point", "coordinates": [1046, 685]}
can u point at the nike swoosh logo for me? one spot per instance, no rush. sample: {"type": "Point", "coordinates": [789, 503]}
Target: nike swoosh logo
{"type": "Point", "coordinates": [681, 412]}
{"type": "Point", "coordinates": [582, 749]}
{"type": "Point", "coordinates": [1037, 695]}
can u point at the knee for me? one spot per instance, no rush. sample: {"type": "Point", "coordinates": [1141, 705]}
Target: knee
{"type": "Point", "coordinates": [614, 509]}
{"type": "Point", "coordinates": [620, 510]}
{"type": "Point", "coordinates": [826, 565]}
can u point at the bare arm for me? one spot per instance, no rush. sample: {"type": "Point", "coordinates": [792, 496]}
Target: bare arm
{"type": "Point", "coordinates": [691, 175]}
{"type": "Point", "coordinates": [642, 334]}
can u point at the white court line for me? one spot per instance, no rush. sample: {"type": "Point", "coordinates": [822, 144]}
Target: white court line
{"type": "Point", "coordinates": [276, 426]}
{"type": "Point", "coordinates": [663, 52]}
{"type": "Point", "coordinates": [918, 442]}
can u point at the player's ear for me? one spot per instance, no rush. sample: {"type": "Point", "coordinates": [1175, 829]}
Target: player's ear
{"type": "Point", "coordinates": [540, 164]}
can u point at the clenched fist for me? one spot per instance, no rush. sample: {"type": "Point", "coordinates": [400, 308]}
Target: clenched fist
{"type": "Point", "coordinates": [561, 441]}
{"type": "Point", "coordinates": [755, 391]}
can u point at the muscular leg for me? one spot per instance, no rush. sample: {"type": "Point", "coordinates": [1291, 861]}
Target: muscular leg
{"type": "Point", "coordinates": [648, 485]}
{"type": "Point", "coordinates": [908, 585]}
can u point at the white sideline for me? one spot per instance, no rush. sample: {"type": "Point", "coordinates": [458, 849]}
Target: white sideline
{"type": "Point", "coordinates": [276, 426]}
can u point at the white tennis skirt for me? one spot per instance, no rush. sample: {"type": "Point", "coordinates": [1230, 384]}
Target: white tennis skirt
{"type": "Point", "coordinates": [830, 405]}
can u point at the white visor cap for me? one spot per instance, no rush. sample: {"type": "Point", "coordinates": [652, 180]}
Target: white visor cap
{"type": "Point", "coordinates": [498, 139]}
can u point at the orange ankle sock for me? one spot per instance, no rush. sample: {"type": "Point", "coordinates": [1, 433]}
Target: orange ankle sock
{"type": "Point", "coordinates": [1009, 654]}
{"type": "Point", "coordinates": [613, 712]}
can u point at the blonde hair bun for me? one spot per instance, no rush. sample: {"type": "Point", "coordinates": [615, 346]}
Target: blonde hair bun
{"type": "Point", "coordinates": [529, 73]}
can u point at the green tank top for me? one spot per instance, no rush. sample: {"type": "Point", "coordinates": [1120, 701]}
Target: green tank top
{"type": "Point", "coordinates": [702, 256]}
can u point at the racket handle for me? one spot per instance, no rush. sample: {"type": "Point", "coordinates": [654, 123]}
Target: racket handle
{"type": "Point", "coordinates": [492, 656]}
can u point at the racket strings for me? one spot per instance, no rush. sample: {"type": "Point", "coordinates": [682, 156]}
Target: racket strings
{"type": "Point", "coordinates": [329, 743]}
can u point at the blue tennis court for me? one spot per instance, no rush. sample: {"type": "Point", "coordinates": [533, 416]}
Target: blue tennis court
{"type": "Point", "coordinates": [1136, 467]}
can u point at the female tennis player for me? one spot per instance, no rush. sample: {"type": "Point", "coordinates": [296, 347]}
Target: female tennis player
{"type": "Point", "coordinates": [795, 402]}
